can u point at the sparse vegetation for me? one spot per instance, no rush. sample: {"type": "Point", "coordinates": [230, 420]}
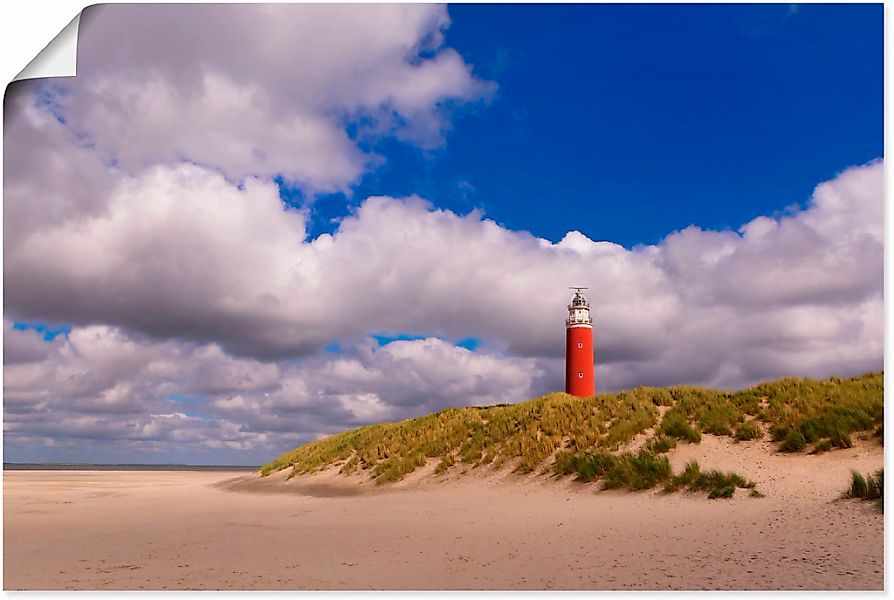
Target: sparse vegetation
{"type": "Point", "coordinates": [749, 430]}
{"type": "Point", "coordinates": [830, 409]}
{"type": "Point", "coordinates": [676, 425]}
{"type": "Point", "coordinates": [645, 470]}
{"type": "Point", "coordinates": [526, 436]}
{"type": "Point", "coordinates": [823, 446]}
{"type": "Point", "coordinates": [661, 444]}
{"type": "Point", "coordinates": [633, 471]}
{"type": "Point", "coordinates": [527, 433]}
{"type": "Point", "coordinates": [870, 487]}
{"type": "Point", "coordinates": [713, 411]}
{"type": "Point", "coordinates": [794, 441]}
{"type": "Point", "coordinates": [716, 483]}
{"type": "Point", "coordinates": [445, 464]}
{"type": "Point", "coordinates": [640, 471]}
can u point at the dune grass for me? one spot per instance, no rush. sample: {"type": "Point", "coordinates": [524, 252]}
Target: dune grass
{"type": "Point", "coordinates": [749, 430]}
{"type": "Point", "coordinates": [661, 443]}
{"type": "Point", "coordinates": [528, 435]}
{"type": "Point", "coordinates": [647, 469]}
{"type": "Point", "coordinates": [830, 409]}
{"type": "Point", "coordinates": [676, 425]}
{"type": "Point", "coordinates": [715, 483]}
{"type": "Point", "coordinates": [870, 487]}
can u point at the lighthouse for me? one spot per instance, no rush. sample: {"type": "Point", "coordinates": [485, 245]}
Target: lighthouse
{"type": "Point", "coordinates": [579, 376]}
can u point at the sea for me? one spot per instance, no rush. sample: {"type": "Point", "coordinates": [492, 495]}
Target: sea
{"type": "Point", "coordinates": [108, 467]}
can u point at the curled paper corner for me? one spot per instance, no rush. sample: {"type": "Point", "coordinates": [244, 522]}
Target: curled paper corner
{"type": "Point", "coordinates": [59, 58]}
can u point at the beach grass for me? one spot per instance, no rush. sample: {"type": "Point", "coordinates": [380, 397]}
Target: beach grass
{"type": "Point", "coordinates": [749, 430]}
{"type": "Point", "coordinates": [716, 484]}
{"type": "Point", "coordinates": [647, 469]}
{"type": "Point", "coordinates": [869, 487]}
{"type": "Point", "coordinates": [542, 434]}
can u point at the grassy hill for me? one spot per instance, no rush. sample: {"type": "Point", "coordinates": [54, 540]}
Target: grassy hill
{"type": "Point", "coordinates": [585, 436]}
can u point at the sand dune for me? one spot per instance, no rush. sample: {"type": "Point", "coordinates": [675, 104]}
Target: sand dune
{"type": "Point", "coordinates": [483, 530]}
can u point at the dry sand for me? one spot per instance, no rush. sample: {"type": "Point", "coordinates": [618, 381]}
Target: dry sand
{"type": "Point", "coordinates": [213, 530]}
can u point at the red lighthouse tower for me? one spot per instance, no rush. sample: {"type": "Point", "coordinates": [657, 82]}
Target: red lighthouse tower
{"type": "Point", "coordinates": [579, 376]}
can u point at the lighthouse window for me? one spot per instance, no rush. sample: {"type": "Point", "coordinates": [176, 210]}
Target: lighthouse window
{"type": "Point", "coordinates": [580, 344]}
{"type": "Point", "coordinates": [580, 374]}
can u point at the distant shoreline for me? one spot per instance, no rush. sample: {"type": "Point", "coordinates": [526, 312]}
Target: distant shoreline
{"type": "Point", "coordinates": [121, 467]}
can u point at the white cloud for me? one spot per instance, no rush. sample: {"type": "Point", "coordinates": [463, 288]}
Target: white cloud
{"type": "Point", "coordinates": [179, 252]}
{"type": "Point", "coordinates": [103, 385]}
{"type": "Point", "coordinates": [21, 346]}
{"type": "Point", "coordinates": [263, 89]}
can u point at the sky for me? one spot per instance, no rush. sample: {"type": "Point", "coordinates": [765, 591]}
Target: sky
{"type": "Point", "coordinates": [242, 227]}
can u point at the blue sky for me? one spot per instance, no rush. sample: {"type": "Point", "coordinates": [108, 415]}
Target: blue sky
{"type": "Point", "coordinates": [628, 122]}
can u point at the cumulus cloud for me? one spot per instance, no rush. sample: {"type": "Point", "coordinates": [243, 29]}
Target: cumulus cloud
{"type": "Point", "coordinates": [262, 89]}
{"type": "Point", "coordinates": [100, 384]}
{"type": "Point", "coordinates": [23, 345]}
{"type": "Point", "coordinates": [180, 252]}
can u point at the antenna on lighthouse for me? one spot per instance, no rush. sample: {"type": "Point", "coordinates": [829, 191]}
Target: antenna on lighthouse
{"type": "Point", "coordinates": [578, 288]}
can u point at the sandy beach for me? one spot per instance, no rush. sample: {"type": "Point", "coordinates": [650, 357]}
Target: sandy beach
{"type": "Point", "coordinates": [484, 530]}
